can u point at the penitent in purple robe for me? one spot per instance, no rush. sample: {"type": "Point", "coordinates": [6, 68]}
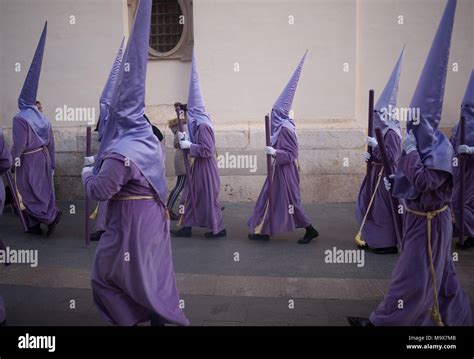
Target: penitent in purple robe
{"type": "Point", "coordinates": [128, 292]}
{"type": "Point", "coordinates": [287, 212]}
{"type": "Point", "coordinates": [468, 190]}
{"type": "Point", "coordinates": [5, 165]}
{"type": "Point", "coordinates": [205, 183]}
{"type": "Point", "coordinates": [411, 283]}
{"type": "Point", "coordinates": [34, 175]}
{"type": "Point", "coordinates": [379, 229]}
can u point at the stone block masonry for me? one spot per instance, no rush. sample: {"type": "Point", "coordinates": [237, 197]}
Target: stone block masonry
{"type": "Point", "coordinates": [330, 158]}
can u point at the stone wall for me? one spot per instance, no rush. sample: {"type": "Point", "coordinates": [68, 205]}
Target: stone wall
{"type": "Point", "coordinates": [330, 161]}
{"type": "Point", "coordinates": [330, 157]}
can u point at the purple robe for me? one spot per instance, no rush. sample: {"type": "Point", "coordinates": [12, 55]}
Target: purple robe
{"type": "Point", "coordinates": [379, 229]}
{"type": "Point", "coordinates": [129, 292]}
{"type": "Point", "coordinates": [468, 191]}
{"type": "Point", "coordinates": [411, 278]}
{"type": "Point", "coordinates": [5, 165]}
{"type": "Point", "coordinates": [101, 219]}
{"type": "Point", "coordinates": [285, 191]}
{"type": "Point", "coordinates": [205, 183]}
{"type": "Point", "coordinates": [34, 175]}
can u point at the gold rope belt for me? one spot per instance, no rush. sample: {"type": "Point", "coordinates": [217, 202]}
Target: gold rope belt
{"type": "Point", "coordinates": [358, 238]}
{"type": "Point", "coordinates": [33, 151]}
{"type": "Point", "coordinates": [138, 198]}
{"type": "Point", "coordinates": [132, 198]}
{"type": "Point", "coordinates": [435, 313]}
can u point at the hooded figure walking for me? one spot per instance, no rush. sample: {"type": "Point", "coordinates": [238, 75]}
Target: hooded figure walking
{"type": "Point", "coordinates": [377, 231]}
{"type": "Point", "coordinates": [204, 183]}
{"type": "Point", "coordinates": [33, 153]}
{"type": "Point", "coordinates": [133, 279]}
{"type": "Point", "coordinates": [100, 212]}
{"type": "Point", "coordinates": [287, 212]}
{"type": "Point", "coordinates": [467, 150]}
{"type": "Point", "coordinates": [424, 289]}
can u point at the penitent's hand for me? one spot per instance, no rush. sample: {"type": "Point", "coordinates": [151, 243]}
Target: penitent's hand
{"type": "Point", "coordinates": [185, 144]}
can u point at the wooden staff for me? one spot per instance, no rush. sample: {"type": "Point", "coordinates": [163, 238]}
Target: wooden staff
{"type": "Point", "coordinates": [269, 172]}
{"type": "Point", "coordinates": [370, 133]}
{"type": "Point", "coordinates": [462, 180]}
{"type": "Point", "coordinates": [13, 189]}
{"type": "Point", "coordinates": [186, 163]}
{"type": "Point", "coordinates": [397, 219]}
{"type": "Point", "coordinates": [87, 202]}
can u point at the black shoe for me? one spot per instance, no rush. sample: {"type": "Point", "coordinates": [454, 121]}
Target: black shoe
{"type": "Point", "coordinates": [173, 216]}
{"type": "Point", "coordinates": [52, 226]}
{"type": "Point", "coordinates": [222, 233]}
{"type": "Point", "coordinates": [364, 246]}
{"type": "Point", "coordinates": [359, 322]}
{"type": "Point", "coordinates": [157, 321]}
{"type": "Point", "coordinates": [36, 229]}
{"type": "Point", "coordinates": [95, 237]}
{"type": "Point", "coordinates": [183, 232]}
{"type": "Point", "coordinates": [259, 237]}
{"type": "Point", "coordinates": [310, 234]}
{"type": "Point", "coordinates": [468, 243]}
{"type": "Point", "coordinates": [386, 250]}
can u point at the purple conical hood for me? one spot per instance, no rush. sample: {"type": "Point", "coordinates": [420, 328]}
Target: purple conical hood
{"type": "Point", "coordinates": [30, 86]}
{"type": "Point", "coordinates": [126, 131]}
{"type": "Point", "coordinates": [469, 94]}
{"type": "Point", "coordinates": [196, 109]}
{"type": "Point", "coordinates": [434, 148]}
{"type": "Point", "coordinates": [387, 101]}
{"type": "Point", "coordinates": [429, 92]}
{"type": "Point", "coordinates": [282, 107]}
{"type": "Point", "coordinates": [27, 99]}
{"type": "Point", "coordinates": [467, 111]}
{"type": "Point", "coordinates": [195, 98]}
{"type": "Point", "coordinates": [107, 92]}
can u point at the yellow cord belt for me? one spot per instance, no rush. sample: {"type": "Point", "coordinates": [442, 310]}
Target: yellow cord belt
{"type": "Point", "coordinates": [33, 151]}
{"type": "Point", "coordinates": [435, 313]}
{"type": "Point", "coordinates": [138, 198]}
{"type": "Point", "coordinates": [358, 238]}
{"type": "Point", "coordinates": [132, 198]}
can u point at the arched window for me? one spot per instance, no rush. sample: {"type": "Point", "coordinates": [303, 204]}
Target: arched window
{"type": "Point", "coordinates": [171, 32]}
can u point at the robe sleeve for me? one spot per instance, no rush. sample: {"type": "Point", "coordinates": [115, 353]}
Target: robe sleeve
{"type": "Point", "coordinates": [205, 145]}
{"type": "Point", "coordinates": [423, 179]}
{"type": "Point", "coordinates": [393, 147]}
{"type": "Point", "coordinates": [20, 137]}
{"type": "Point", "coordinates": [107, 183]}
{"type": "Point", "coordinates": [287, 151]}
{"type": "Point", "coordinates": [51, 147]}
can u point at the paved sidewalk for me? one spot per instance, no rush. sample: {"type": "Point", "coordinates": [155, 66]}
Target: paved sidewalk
{"type": "Point", "coordinates": [230, 281]}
